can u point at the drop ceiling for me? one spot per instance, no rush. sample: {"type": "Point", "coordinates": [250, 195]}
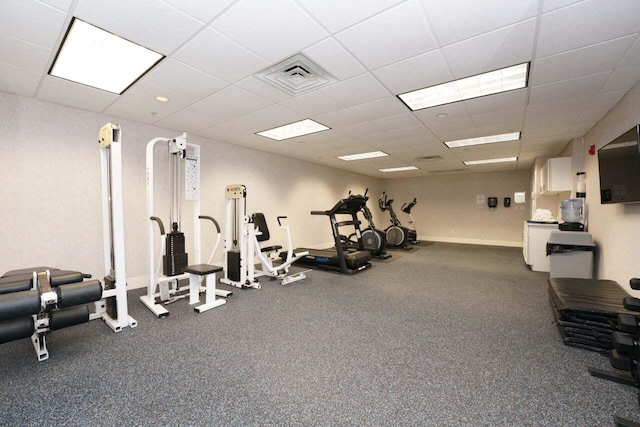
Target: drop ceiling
{"type": "Point", "coordinates": [584, 55]}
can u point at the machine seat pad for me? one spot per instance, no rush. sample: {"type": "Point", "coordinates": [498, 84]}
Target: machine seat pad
{"type": "Point", "coordinates": [271, 248]}
{"type": "Point", "coordinates": [73, 294]}
{"type": "Point", "coordinates": [28, 271]}
{"type": "Point", "coordinates": [21, 280]}
{"type": "Point", "coordinates": [19, 304]}
{"type": "Point", "coordinates": [202, 269]}
{"type": "Point", "coordinates": [15, 284]}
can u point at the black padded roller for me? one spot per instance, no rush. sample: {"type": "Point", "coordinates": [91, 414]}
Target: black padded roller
{"type": "Point", "coordinates": [71, 316]}
{"type": "Point", "coordinates": [11, 330]}
{"type": "Point", "coordinates": [19, 282]}
{"type": "Point", "coordinates": [28, 271]}
{"type": "Point", "coordinates": [19, 304]}
{"type": "Point", "coordinates": [78, 293]}
{"type": "Point", "coordinates": [63, 277]}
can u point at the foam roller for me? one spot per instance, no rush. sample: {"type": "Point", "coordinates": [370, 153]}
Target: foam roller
{"type": "Point", "coordinates": [11, 330]}
{"type": "Point", "coordinates": [71, 316]}
{"type": "Point", "coordinates": [19, 304]}
{"type": "Point", "coordinates": [78, 293]}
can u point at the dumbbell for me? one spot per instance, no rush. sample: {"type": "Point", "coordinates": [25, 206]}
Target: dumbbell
{"type": "Point", "coordinates": [628, 322]}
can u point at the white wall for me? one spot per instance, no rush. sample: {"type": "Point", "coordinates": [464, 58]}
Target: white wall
{"type": "Point", "coordinates": [51, 200]}
{"type": "Point", "coordinates": [447, 209]}
{"type": "Point", "coordinates": [615, 227]}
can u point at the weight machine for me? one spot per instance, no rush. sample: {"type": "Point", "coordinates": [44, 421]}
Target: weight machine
{"type": "Point", "coordinates": [113, 309]}
{"type": "Point", "coordinates": [243, 234]}
{"type": "Point", "coordinates": [165, 288]}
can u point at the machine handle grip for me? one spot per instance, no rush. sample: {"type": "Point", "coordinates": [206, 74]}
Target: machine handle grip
{"type": "Point", "coordinates": [212, 219]}
{"type": "Point", "coordinates": [160, 224]}
{"type": "Point", "coordinates": [279, 218]}
{"type": "Point", "coordinates": [319, 213]}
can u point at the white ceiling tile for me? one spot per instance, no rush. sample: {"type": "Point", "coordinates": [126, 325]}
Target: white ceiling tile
{"type": "Point", "coordinates": [185, 121]}
{"type": "Point", "coordinates": [63, 5]}
{"type": "Point", "coordinates": [501, 48]}
{"type": "Point", "coordinates": [455, 20]}
{"type": "Point", "coordinates": [586, 23]}
{"type": "Point", "coordinates": [580, 62]}
{"type": "Point", "coordinates": [632, 57]}
{"type": "Point", "coordinates": [178, 77]}
{"type": "Point", "coordinates": [412, 135]}
{"type": "Point", "coordinates": [139, 103]}
{"type": "Point", "coordinates": [151, 23]}
{"type": "Point", "coordinates": [534, 133]}
{"type": "Point", "coordinates": [439, 129]}
{"type": "Point", "coordinates": [558, 120]}
{"type": "Point", "coordinates": [451, 111]}
{"type": "Point", "coordinates": [510, 119]}
{"type": "Point", "coordinates": [133, 109]}
{"type": "Point", "coordinates": [18, 80]}
{"type": "Point", "coordinates": [338, 119]}
{"type": "Point", "coordinates": [238, 101]}
{"type": "Point", "coordinates": [210, 108]}
{"type": "Point", "coordinates": [622, 78]}
{"type": "Point", "coordinates": [397, 34]}
{"type": "Point", "coordinates": [357, 90]}
{"type": "Point", "coordinates": [265, 90]}
{"type": "Point", "coordinates": [215, 54]}
{"type": "Point", "coordinates": [497, 102]}
{"type": "Point", "coordinates": [421, 71]}
{"type": "Point", "coordinates": [599, 106]}
{"type": "Point", "coordinates": [550, 109]}
{"type": "Point", "coordinates": [574, 88]}
{"type": "Point", "coordinates": [274, 30]}
{"type": "Point", "coordinates": [381, 108]}
{"type": "Point", "coordinates": [311, 104]}
{"type": "Point", "coordinates": [31, 21]}
{"type": "Point", "coordinates": [556, 4]}
{"type": "Point", "coordinates": [361, 130]}
{"type": "Point", "coordinates": [403, 121]}
{"type": "Point", "coordinates": [75, 95]}
{"type": "Point", "coordinates": [203, 10]}
{"type": "Point", "coordinates": [334, 59]}
{"type": "Point", "coordinates": [22, 54]}
{"type": "Point", "coordinates": [339, 14]}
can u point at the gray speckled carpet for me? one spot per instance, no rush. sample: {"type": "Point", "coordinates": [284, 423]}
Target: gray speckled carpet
{"type": "Point", "coordinates": [450, 335]}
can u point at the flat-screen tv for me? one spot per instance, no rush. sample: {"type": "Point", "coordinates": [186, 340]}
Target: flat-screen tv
{"type": "Point", "coordinates": [619, 163]}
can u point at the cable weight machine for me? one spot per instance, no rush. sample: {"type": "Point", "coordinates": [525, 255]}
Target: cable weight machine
{"type": "Point", "coordinates": [113, 307]}
{"type": "Point", "coordinates": [184, 183]}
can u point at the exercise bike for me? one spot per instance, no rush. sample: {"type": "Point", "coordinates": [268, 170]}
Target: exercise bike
{"type": "Point", "coordinates": [396, 234]}
{"type": "Point", "coordinates": [372, 238]}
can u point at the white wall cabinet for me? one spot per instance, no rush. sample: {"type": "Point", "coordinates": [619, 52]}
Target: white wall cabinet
{"type": "Point", "coordinates": [534, 244]}
{"type": "Point", "coordinates": [556, 176]}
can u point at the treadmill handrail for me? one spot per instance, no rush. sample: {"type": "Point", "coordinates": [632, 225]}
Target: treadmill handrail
{"type": "Point", "coordinates": [319, 212]}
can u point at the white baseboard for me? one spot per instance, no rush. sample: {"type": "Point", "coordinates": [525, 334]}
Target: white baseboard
{"type": "Point", "coordinates": [506, 243]}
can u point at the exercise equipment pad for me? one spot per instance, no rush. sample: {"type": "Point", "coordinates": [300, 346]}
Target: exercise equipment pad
{"type": "Point", "coordinates": [586, 311]}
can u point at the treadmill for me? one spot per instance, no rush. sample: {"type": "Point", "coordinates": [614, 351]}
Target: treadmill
{"type": "Point", "coordinates": [339, 259]}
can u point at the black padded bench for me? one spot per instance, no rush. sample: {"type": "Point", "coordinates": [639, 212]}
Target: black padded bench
{"type": "Point", "coordinates": [586, 311]}
{"type": "Point", "coordinates": [34, 301]}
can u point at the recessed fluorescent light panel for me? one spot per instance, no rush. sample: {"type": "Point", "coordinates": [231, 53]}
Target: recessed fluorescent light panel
{"type": "Point", "coordinates": [97, 58]}
{"type": "Point", "coordinates": [490, 83]}
{"type": "Point", "coordinates": [361, 156]}
{"type": "Point", "coordinates": [505, 137]}
{"type": "Point", "coordinates": [303, 127]}
{"type": "Point", "coordinates": [404, 168]}
{"type": "Point", "coordinates": [487, 161]}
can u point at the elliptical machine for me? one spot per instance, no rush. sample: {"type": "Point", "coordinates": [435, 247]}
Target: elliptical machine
{"type": "Point", "coordinates": [396, 234]}
{"type": "Point", "coordinates": [373, 239]}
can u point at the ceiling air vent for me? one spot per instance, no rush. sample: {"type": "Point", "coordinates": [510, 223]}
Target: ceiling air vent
{"type": "Point", "coordinates": [428, 158]}
{"type": "Point", "coordinates": [296, 75]}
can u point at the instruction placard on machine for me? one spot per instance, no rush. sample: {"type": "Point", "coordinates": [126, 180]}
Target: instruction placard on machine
{"type": "Point", "coordinates": [191, 177]}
